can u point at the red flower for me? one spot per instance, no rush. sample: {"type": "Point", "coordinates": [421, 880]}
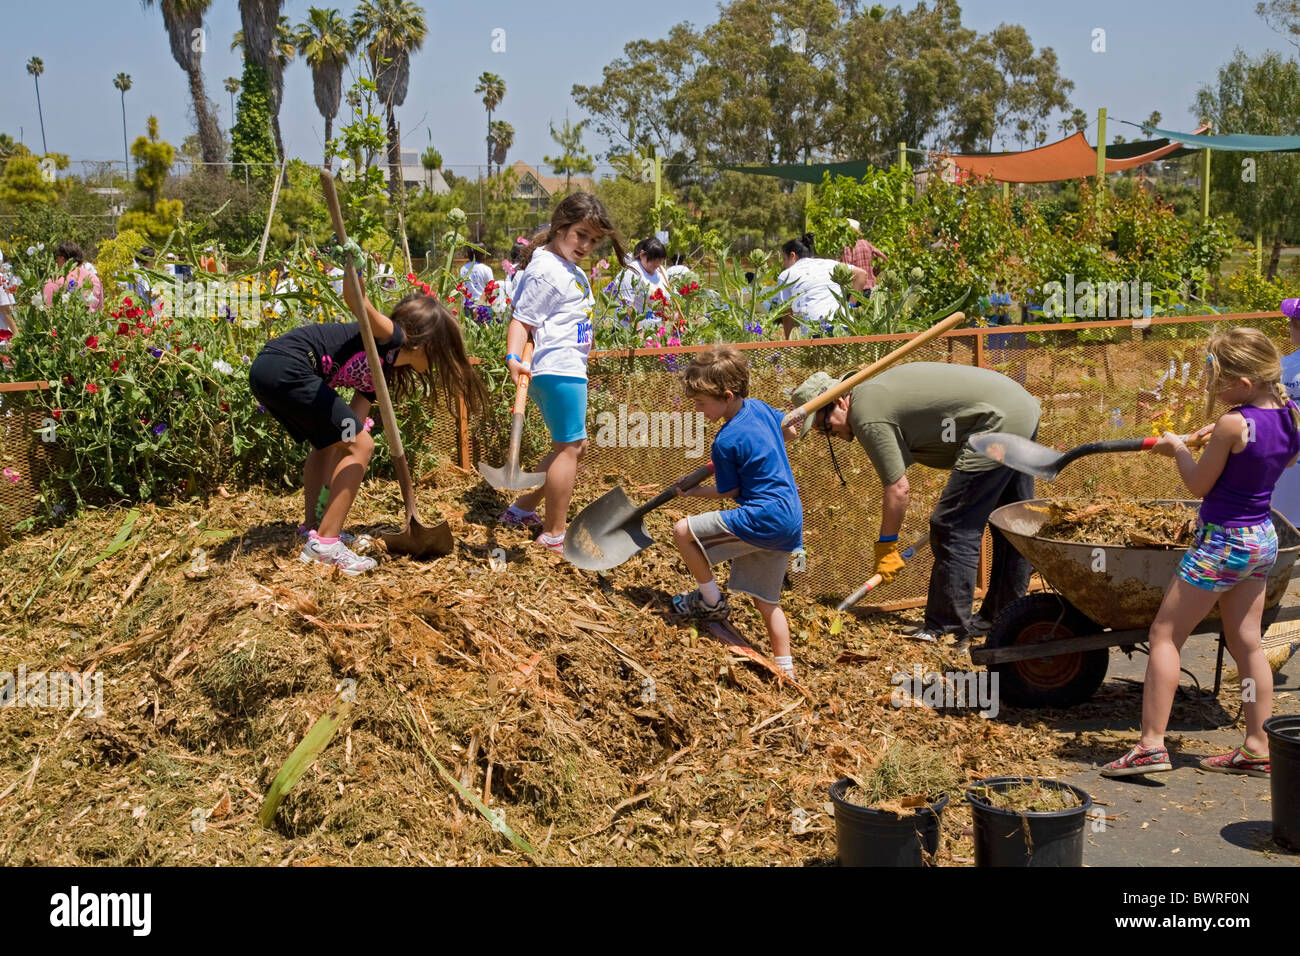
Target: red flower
{"type": "Point", "coordinates": [146, 330]}
{"type": "Point", "coordinates": [123, 329]}
{"type": "Point", "coordinates": [54, 333]}
{"type": "Point", "coordinates": [92, 341]}
{"type": "Point", "coordinates": [410, 277]}
{"type": "Point", "coordinates": [115, 365]}
{"type": "Point", "coordinates": [127, 302]}
{"type": "Point", "coordinates": [92, 388]}
{"type": "Point", "coordinates": [57, 414]}
{"type": "Point", "coordinates": [197, 347]}
{"type": "Point", "coordinates": [225, 406]}
{"type": "Point", "coordinates": [6, 335]}
{"type": "Point", "coordinates": [67, 380]}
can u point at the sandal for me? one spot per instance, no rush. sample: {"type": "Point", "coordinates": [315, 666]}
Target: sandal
{"type": "Point", "coordinates": [515, 518]}
{"type": "Point", "coordinates": [1138, 761]}
{"type": "Point", "coordinates": [1240, 761]}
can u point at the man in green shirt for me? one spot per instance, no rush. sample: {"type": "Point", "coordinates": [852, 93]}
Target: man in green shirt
{"type": "Point", "coordinates": [923, 413]}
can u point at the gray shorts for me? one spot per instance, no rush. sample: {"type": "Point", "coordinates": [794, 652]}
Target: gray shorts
{"type": "Point", "coordinates": [758, 572]}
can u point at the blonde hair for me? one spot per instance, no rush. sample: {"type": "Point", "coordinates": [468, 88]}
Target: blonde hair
{"type": "Point", "coordinates": [1246, 353]}
{"type": "Point", "coordinates": [717, 371]}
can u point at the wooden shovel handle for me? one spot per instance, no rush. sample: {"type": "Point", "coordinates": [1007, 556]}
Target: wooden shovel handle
{"type": "Point", "coordinates": [372, 351]}
{"type": "Point", "coordinates": [521, 390]}
{"type": "Point", "coordinates": [684, 484]}
{"type": "Point", "coordinates": [797, 416]}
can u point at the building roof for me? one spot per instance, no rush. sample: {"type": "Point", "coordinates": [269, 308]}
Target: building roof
{"type": "Point", "coordinates": [552, 185]}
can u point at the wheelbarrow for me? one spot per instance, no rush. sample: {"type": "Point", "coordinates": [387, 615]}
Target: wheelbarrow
{"type": "Point", "coordinates": [1051, 648]}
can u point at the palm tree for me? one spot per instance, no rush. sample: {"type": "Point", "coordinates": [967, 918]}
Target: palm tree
{"type": "Point", "coordinates": [123, 83]}
{"type": "Point", "coordinates": [493, 89]}
{"type": "Point", "coordinates": [184, 22]}
{"type": "Point", "coordinates": [325, 42]}
{"type": "Point", "coordinates": [36, 66]}
{"type": "Point", "coordinates": [502, 135]}
{"type": "Point", "coordinates": [271, 49]}
{"type": "Point", "coordinates": [431, 160]}
{"type": "Point", "coordinates": [390, 31]}
{"type": "Point", "coordinates": [232, 87]}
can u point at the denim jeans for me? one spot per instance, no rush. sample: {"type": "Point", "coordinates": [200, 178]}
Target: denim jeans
{"type": "Point", "coordinates": [956, 532]}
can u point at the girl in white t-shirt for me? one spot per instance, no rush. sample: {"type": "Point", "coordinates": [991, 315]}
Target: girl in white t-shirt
{"type": "Point", "coordinates": [809, 285]}
{"type": "Point", "coordinates": [1286, 493]}
{"type": "Point", "coordinates": [554, 306]}
{"type": "Point", "coordinates": [475, 274]}
{"type": "Point", "coordinates": [643, 277]}
{"type": "Point", "coordinates": [514, 272]}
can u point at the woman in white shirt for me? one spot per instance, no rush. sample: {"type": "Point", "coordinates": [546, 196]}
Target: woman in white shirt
{"type": "Point", "coordinates": [809, 285]}
{"type": "Point", "coordinates": [475, 274]}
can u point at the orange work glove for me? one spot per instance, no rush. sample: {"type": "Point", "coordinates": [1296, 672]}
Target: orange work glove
{"type": "Point", "coordinates": [888, 561]}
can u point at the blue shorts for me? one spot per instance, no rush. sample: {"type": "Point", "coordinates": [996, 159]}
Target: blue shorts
{"type": "Point", "coordinates": [562, 400]}
{"type": "Point", "coordinates": [1221, 558]}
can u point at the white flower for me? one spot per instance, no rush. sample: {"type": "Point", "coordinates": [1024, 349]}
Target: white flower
{"type": "Point", "coordinates": [31, 250]}
{"type": "Point", "coordinates": [225, 368]}
{"type": "Point", "coordinates": [37, 301]}
{"type": "Point", "coordinates": [40, 246]}
{"type": "Point", "coordinates": [16, 280]}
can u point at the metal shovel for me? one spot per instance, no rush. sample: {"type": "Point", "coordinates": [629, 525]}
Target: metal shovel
{"type": "Point", "coordinates": [609, 531]}
{"type": "Point", "coordinates": [414, 539]}
{"type": "Point", "coordinates": [1031, 458]}
{"type": "Point", "coordinates": [510, 478]}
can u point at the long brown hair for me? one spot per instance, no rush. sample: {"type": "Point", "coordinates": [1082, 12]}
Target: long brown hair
{"type": "Point", "coordinates": [579, 207]}
{"type": "Point", "coordinates": [427, 324]}
{"type": "Point", "coordinates": [1246, 353]}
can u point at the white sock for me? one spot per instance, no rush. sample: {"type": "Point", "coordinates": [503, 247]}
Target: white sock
{"type": "Point", "coordinates": [785, 665]}
{"type": "Point", "coordinates": [712, 593]}
{"type": "Point", "coordinates": [549, 539]}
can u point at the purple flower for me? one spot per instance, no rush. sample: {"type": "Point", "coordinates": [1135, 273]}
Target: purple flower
{"type": "Point", "coordinates": [754, 327]}
{"type": "Point", "coordinates": [72, 283]}
{"type": "Point", "coordinates": [160, 428]}
{"type": "Point", "coordinates": [156, 353]}
{"type": "Point", "coordinates": [483, 314]}
{"type": "Point", "coordinates": [261, 409]}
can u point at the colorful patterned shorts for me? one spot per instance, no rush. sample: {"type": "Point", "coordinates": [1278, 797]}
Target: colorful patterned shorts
{"type": "Point", "coordinates": [1221, 558]}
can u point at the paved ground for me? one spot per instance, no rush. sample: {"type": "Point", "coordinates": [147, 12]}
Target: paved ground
{"type": "Point", "coordinates": [1188, 817]}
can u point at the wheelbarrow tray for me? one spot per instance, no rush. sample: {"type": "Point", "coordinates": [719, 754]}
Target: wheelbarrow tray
{"type": "Point", "coordinates": [1119, 586]}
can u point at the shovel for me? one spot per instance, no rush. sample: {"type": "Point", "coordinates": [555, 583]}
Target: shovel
{"type": "Point", "coordinates": [1020, 454]}
{"type": "Point", "coordinates": [609, 531]}
{"type": "Point", "coordinates": [414, 539]}
{"type": "Point", "coordinates": [510, 478]}
{"type": "Point", "coordinates": [875, 580]}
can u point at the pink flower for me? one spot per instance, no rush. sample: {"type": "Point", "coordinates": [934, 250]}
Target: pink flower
{"type": "Point", "coordinates": [12, 475]}
{"type": "Point", "coordinates": [92, 388]}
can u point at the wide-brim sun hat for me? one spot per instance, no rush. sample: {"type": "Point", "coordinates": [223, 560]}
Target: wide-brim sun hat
{"type": "Point", "coordinates": [816, 384]}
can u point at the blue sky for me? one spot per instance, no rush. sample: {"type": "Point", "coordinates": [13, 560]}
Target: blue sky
{"type": "Point", "coordinates": [1158, 54]}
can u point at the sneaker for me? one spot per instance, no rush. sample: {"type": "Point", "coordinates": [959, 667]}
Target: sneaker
{"type": "Point", "coordinates": [551, 544]}
{"type": "Point", "coordinates": [337, 554]}
{"type": "Point", "coordinates": [692, 605]}
{"type": "Point", "coordinates": [304, 531]}
{"type": "Point", "coordinates": [515, 518]}
{"type": "Point", "coordinates": [921, 634]}
{"type": "Point", "coordinates": [1138, 761]}
{"type": "Point", "coordinates": [1240, 761]}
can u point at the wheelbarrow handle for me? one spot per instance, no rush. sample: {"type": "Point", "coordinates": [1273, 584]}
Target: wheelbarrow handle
{"type": "Point", "coordinates": [683, 484]}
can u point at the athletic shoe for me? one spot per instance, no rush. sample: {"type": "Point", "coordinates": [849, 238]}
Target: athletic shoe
{"type": "Point", "coordinates": [921, 634]}
{"type": "Point", "coordinates": [1240, 761]}
{"type": "Point", "coordinates": [693, 606]}
{"type": "Point", "coordinates": [515, 518]}
{"type": "Point", "coordinates": [1137, 762]}
{"type": "Point", "coordinates": [551, 544]}
{"type": "Point", "coordinates": [337, 554]}
{"type": "Point", "coordinates": [304, 531]}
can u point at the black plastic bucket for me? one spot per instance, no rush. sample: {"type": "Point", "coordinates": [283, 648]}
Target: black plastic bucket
{"type": "Point", "coordinates": [867, 837]}
{"type": "Point", "coordinates": [1284, 777]}
{"type": "Point", "coordinates": [1009, 838]}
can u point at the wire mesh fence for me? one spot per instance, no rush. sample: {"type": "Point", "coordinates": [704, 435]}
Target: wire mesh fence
{"type": "Point", "coordinates": [26, 459]}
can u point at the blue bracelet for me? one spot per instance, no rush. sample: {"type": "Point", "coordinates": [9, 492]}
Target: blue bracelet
{"type": "Point", "coordinates": [512, 355]}
{"type": "Point", "coordinates": [887, 538]}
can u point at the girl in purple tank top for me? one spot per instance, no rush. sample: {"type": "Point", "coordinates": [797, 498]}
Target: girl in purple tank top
{"type": "Point", "coordinates": [1234, 550]}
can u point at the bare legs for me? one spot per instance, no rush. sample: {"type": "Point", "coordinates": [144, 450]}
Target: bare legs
{"type": "Point", "coordinates": [561, 467]}
{"type": "Point", "coordinates": [345, 480]}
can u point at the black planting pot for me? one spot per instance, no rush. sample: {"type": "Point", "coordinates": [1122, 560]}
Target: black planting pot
{"type": "Point", "coordinates": [867, 837]}
{"type": "Point", "coordinates": [1284, 777]}
{"type": "Point", "coordinates": [1010, 838]}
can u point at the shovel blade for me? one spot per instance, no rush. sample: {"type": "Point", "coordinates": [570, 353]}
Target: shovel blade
{"type": "Point", "coordinates": [511, 479]}
{"type": "Point", "coordinates": [1019, 454]}
{"type": "Point", "coordinates": [606, 533]}
{"type": "Point", "coordinates": [420, 542]}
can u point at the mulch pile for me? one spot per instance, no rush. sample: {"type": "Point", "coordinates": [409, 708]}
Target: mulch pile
{"type": "Point", "coordinates": [1121, 521]}
{"type": "Point", "coordinates": [565, 700]}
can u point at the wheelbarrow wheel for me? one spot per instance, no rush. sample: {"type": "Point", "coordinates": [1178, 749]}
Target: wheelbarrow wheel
{"type": "Point", "coordinates": [1060, 681]}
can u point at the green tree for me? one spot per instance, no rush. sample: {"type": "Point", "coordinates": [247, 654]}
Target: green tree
{"type": "Point", "coordinates": [123, 83]}
{"type": "Point", "coordinates": [573, 157]}
{"type": "Point", "coordinates": [270, 46]}
{"type": "Point", "coordinates": [493, 89]}
{"type": "Point", "coordinates": [325, 42]}
{"type": "Point", "coordinates": [26, 180]}
{"type": "Point", "coordinates": [390, 31]}
{"type": "Point", "coordinates": [1260, 95]}
{"type": "Point", "coordinates": [152, 215]}
{"type": "Point", "coordinates": [36, 66]}
{"type": "Point", "coordinates": [232, 87]}
{"type": "Point", "coordinates": [251, 140]}
{"type": "Point", "coordinates": [502, 136]}
{"type": "Point", "coordinates": [431, 160]}
{"type": "Point", "coordinates": [184, 22]}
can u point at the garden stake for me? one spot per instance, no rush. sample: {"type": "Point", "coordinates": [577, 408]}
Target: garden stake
{"type": "Point", "coordinates": [414, 539]}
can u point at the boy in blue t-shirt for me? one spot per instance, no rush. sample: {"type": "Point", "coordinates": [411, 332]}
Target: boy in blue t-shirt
{"type": "Point", "coordinates": [750, 465]}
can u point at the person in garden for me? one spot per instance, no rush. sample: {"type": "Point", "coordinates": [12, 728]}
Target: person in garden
{"type": "Point", "coordinates": [1286, 496]}
{"type": "Point", "coordinates": [807, 283]}
{"type": "Point", "coordinates": [512, 268]}
{"type": "Point", "coordinates": [1234, 549]}
{"type": "Point", "coordinates": [8, 289]}
{"type": "Point", "coordinates": [476, 274]}
{"type": "Point", "coordinates": [924, 413]}
{"type": "Point", "coordinates": [554, 306]}
{"type": "Point", "coordinates": [750, 465]}
{"type": "Point", "coordinates": [644, 285]}
{"type": "Point", "coordinates": [677, 267]}
{"type": "Point", "coordinates": [296, 377]}
{"type": "Point", "coordinates": [76, 277]}
{"type": "Point", "coordinates": [863, 255]}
